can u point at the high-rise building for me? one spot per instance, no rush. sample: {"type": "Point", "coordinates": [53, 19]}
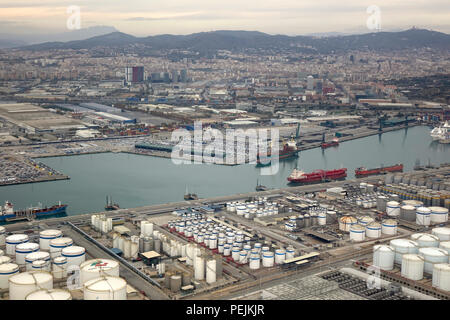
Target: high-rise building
{"type": "Point", "coordinates": [310, 83]}
{"type": "Point", "coordinates": [134, 74]}
{"type": "Point", "coordinates": [183, 75]}
{"type": "Point", "coordinates": [174, 76]}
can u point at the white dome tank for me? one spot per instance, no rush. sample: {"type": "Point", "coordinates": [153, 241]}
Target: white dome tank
{"type": "Point", "coordinates": [373, 230]}
{"type": "Point", "coordinates": [403, 246]}
{"type": "Point", "coordinates": [445, 245]}
{"type": "Point", "coordinates": [12, 241]}
{"type": "Point", "coordinates": [389, 227]}
{"type": "Point", "coordinates": [268, 259]}
{"type": "Point", "coordinates": [365, 220]}
{"type": "Point", "coordinates": [290, 252]}
{"type": "Point", "coordinates": [393, 208]}
{"type": "Point", "coordinates": [439, 214]}
{"type": "Point", "coordinates": [5, 259]}
{"type": "Point", "coordinates": [423, 216]}
{"type": "Point", "coordinates": [34, 256]}
{"type": "Point", "coordinates": [56, 246]}
{"type": "Point", "coordinates": [441, 276]}
{"type": "Point", "coordinates": [59, 267]}
{"type": "Point", "coordinates": [23, 249]}
{"type": "Point", "coordinates": [383, 257]}
{"type": "Point", "coordinates": [41, 265]}
{"type": "Point", "coordinates": [425, 240]}
{"type": "Point", "coordinates": [412, 266]}
{"type": "Point", "coordinates": [105, 288]}
{"type": "Point", "coordinates": [75, 255]}
{"type": "Point", "coordinates": [433, 256]}
{"type": "Point", "coordinates": [280, 256]}
{"type": "Point", "coordinates": [255, 262]}
{"type": "Point", "coordinates": [96, 268]}
{"type": "Point", "coordinates": [357, 233]}
{"type": "Point", "coordinates": [46, 236]}
{"type": "Point", "coordinates": [22, 284]}
{"type": "Point", "coordinates": [346, 222]}
{"type": "Point", "coordinates": [443, 233]}
{"type": "Point", "coordinates": [7, 270]}
{"type": "Point", "coordinates": [52, 294]}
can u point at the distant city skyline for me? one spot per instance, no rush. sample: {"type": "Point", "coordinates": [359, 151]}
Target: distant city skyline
{"type": "Point", "coordinates": [290, 17]}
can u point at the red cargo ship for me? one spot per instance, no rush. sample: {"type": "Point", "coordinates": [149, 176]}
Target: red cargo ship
{"type": "Point", "coordinates": [333, 143]}
{"type": "Point", "coordinates": [362, 172]}
{"type": "Point", "coordinates": [289, 150]}
{"type": "Point", "coordinates": [298, 176]}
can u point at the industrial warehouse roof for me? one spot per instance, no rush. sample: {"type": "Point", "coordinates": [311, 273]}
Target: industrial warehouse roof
{"type": "Point", "coordinates": [121, 229]}
{"type": "Point", "coordinates": [150, 254]}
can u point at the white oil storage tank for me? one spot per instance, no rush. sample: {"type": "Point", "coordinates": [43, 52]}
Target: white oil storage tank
{"type": "Point", "coordinates": [412, 266]}
{"type": "Point", "coordinates": [373, 230]}
{"type": "Point", "coordinates": [56, 246]}
{"type": "Point", "coordinates": [7, 270]}
{"type": "Point", "coordinates": [389, 227]}
{"type": "Point", "coordinates": [445, 245]}
{"type": "Point", "coordinates": [95, 268]}
{"type": "Point", "coordinates": [46, 236]}
{"type": "Point", "coordinates": [105, 288]}
{"type": "Point", "coordinates": [423, 216]}
{"type": "Point", "coordinates": [12, 241]}
{"type": "Point", "coordinates": [2, 236]}
{"type": "Point", "coordinates": [52, 294]}
{"type": "Point", "coordinates": [346, 222]}
{"type": "Point", "coordinates": [22, 284]}
{"type": "Point", "coordinates": [441, 276]}
{"type": "Point", "coordinates": [23, 249]}
{"type": "Point", "coordinates": [433, 256]}
{"type": "Point", "coordinates": [443, 233]}
{"type": "Point", "coordinates": [268, 259]}
{"type": "Point", "coordinates": [383, 257]}
{"type": "Point", "coordinates": [439, 214]}
{"type": "Point", "coordinates": [280, 256]}
{"type": "Point", "coordinates": [59, 267]}
{"type": "Point", "coordinates": [425, 240]}
{"type": "Point", "coordinates": [357, 232]}
{"type": "Point", "coordinates": [35, 256]}
{"type": "Point", "coordinates": [403, 246]}
{"type": "Point", "coordinates": [75, 255]}
{"type": "Point", "coordinates": [393, 208]}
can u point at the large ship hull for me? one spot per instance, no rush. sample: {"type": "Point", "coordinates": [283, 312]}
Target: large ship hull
{"type": "Point", "coordinates": [325, 145]}
{"type": "Point", "coordinates": [58, 209]}
{"type": "Point", "coordinates": [320, 176]}
{"type": "Point", "coordinates": [367, 172]}
{"type": "Point", "coordinates": [267, 160]}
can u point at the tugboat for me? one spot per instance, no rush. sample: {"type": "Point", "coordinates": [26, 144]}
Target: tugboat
{"type": "Point", "coordinates": [260, 187]}
{"type": "Point", "coordinates": [190, 196]}
{"type": "Point", "coordinates": [110, 206]}
{"type": "Point", "coordinates": [317, 176]}
{"type": "Point", "coordinates": [332, 143]}
{"type": "Point", "coordinates": [363, 172]}
{"type": "Point", "coordinates": [8, 214]}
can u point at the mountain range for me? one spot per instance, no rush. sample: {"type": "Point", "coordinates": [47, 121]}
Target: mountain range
{"type": "Point", "coordinates": [240, 40]}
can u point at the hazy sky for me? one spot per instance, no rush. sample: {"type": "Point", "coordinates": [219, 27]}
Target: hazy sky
{"type": "Point", "coordinates": [149, 17]}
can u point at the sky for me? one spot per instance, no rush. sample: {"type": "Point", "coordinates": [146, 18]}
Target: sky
{"type": "Point", "coordinates": [291, 17]}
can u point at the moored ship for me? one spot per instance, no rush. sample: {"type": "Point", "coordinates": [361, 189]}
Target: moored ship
{"type": "Point", "coordinates": [7, 213]}
{"type": "Point", "coordinates": [362, 171]}
{"type": "Point", "coordinates": [298, 176]}
{"type": "Point", "coordinates": [332, 143]}
{"type": "Point", "coordinates": [288, 151]}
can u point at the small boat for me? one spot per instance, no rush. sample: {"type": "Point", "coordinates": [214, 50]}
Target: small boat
{"type": "Point", "coordinates": [110, 206]}
{"type": "Point", "coordinates": [190, 196]}
{"type": "Point", "coordinates": [260, 187]}
{"type": "Point", "coordinates": [363, 172]}
{"type": "Point", "coordinates": [332, 143]}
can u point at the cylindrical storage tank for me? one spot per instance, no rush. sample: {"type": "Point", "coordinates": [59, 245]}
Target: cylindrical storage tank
{"type": "Point", "coordinates": [59, 267]}
{"type": "Point", "coordinates": [439, 214]}
{"type": "Point", "coordinates": [211, 274]}
{"type": "Point", "coordinates": [393, 208]}
{"type": "Point", "coordinates": [268, 259]}
{"type": "Point", "coordinates": [446, 246]}
{"type": "Point", "coordinates": [346, 222]}
{"type": "Point", "coordinates": [23, 249]}
{"type": "Point", "coordinates": [412, 266]}
{"type": "Point", "coordinates": [56, 246]}
{"type": "Point", "coordinates": [373, 230]}
{"type": "Point", "coordinates": [383, 257]}
{"type": "Point", "coordinates": [403, 246]}
{"type": "Point", "coordinates": [408, 213]}
{"type": "Point", "coordinates": [75, 255]}
{"type": "Point", "coordinates": [5, 259]}
{"type": "Point", "coordinates": [105, 288]}
{"type": "Point", "coordinates": [2, 236]}
{"type": "Point", "coordinates": [441, 276]}
{"type": "Point", "coordinates": [433, 256]}
{"type": "Point", "coordinates": [443, 233]}
{"type": "Point", "coordinates": [52, 294]}
{"type": "Point", "coordinates": [254, 262]}
{"type": "Point", "coordinates": [235, 253]}
{"type": "Point", "coordinates": [96, 268]}
{"type": "Point", "coordinates": [365, 220]}
{"type": "Point", "coordinates": [22, 284]}
{"type": "Point", "coordinates": [12, 241]}
{"type": "Point", "coordinates": [423, 216]}
{"type": "Point", "coordinates": [357, 232]}
{"type": "Point", "coordinates": [243, 256]}
{"type": "Point", "coordinates": [175, 283]}
{"type": "Point", "coordinates": [381, 203]}
{"type": "Point", "coordinates": [41, 265]}
{"type": "Point", "coordinates": [425, 240]}
{"type": "Point", "coordinates": [322, 218]}
{"type": "Point", "coordinates": [35, 256]}
{"type": "Point", "coordinates": [7, 270]}
{"type": "Point", "coordinates": [199, 268]}
{"type": "Point", "coordinates": [46, 236]}
{"type": "Point", "coordinates": [389, 227]}
{"type": "Point", "coordinates": [290, 252]}
{"type": "Point", "coordinates": [280, 256]}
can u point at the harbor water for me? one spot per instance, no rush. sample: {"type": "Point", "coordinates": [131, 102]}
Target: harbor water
{"type": "Point", "coordinates": [138, 180]}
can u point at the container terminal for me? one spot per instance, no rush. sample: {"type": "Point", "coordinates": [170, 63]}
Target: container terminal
{"type": "Point", "coordinates": [322, 241]}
